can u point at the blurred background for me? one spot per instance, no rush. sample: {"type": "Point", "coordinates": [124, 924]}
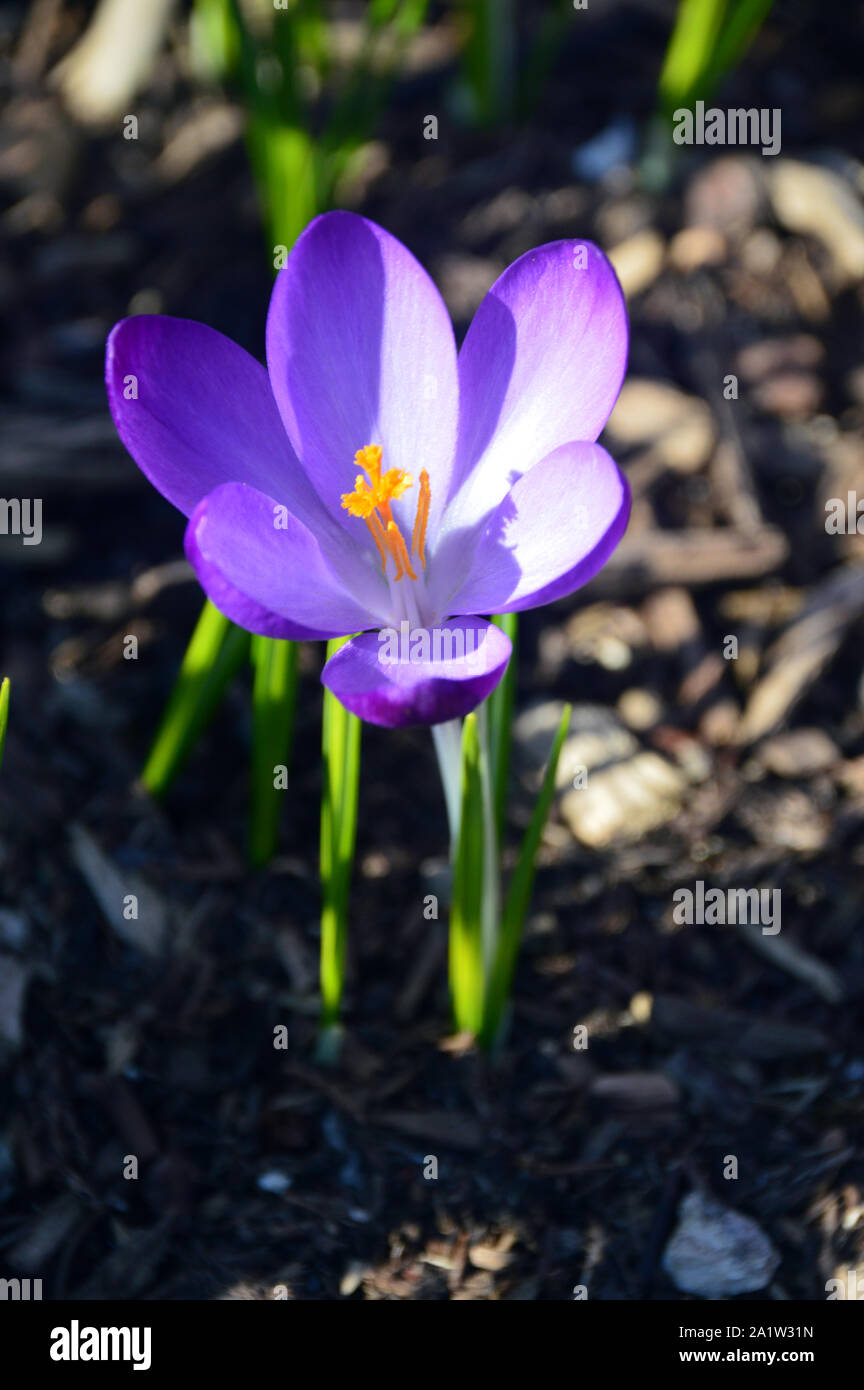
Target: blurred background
{"type": "Point", "coordinates": [151, 159]}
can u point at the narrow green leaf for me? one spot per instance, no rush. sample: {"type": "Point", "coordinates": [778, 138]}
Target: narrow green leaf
{"type": "Point", "coordinates": [739, 31]}
{"type": "Point", "coordinates": [285, 163]}
{"type": "Point", "coordinates": [274, 698]}
{"type": "Point", "coordinates": [519, 896]}
{"type": "Point", "coordinates": [489, 59]}
{"type": "Point", "coordinates": [312, 35]}
{"type": "Point", "coordinates": [4, 714]}
{"type": "Point", "coordinates": [709, 37]}
{"type": "Point", "coordinates": [214, 39]}
{"type": "Point", "coordinates": [341, 733]}
{"type": "Point", "coordinates": [552, 29]}
{"type": "Point", "coordinates": [467, 970]}
{"type": "Point", "coordinates": [500, 725]}
{"type": "Point", "coordinates": [215, 654]}
{"type": "Point", "coordinates": [409, 17]}
{"type": "Point", "coordinates": [697, 28]}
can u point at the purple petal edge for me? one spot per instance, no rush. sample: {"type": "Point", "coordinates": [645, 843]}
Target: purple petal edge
{"type": "Point", "coordinates": [405, 693]}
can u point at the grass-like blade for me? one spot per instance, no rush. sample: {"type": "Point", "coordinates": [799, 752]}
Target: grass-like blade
{"type": "Point", "coordinates": [4, 714]}
{"type": "Point", "coordinates": [519, 896]}
{"type": "Point", "coordinates": [696, 31]}
{"type": "Point", "coordinates": [708, 39]}
{"type": "Point", "coordinates": [285, 163]}
{"type": "Point", "coordinates": [489, 59]}
{"type": "Point", "coordinates": [274, 699]}
{"type": "Point", "coordinates": [214, 39]}
{"type": "Point", "coordinates": [341, 783]}
{"type": "Point", "coordinates": [215, 654]}
{"type": "Point", "coordinates": [467, 971]}
{"type": "Point", "coordinates": [738, 32]}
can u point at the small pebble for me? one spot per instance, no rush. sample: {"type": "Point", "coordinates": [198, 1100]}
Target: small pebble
{"type": "Point", "coordinates": [716, 1252]}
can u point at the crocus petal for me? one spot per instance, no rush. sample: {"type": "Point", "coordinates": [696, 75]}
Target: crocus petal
{"type": "Point", "coordinates": [395, 692]}
{"type": "Point", "coordinates": [542, 364]}
{"type": "Point", "coordinates": [265, 570]}
{"type": "Point", "coordinates": [361, 351]}
{"type": "Point", "coordinates": [195, 410]}
{"type": "Point", "coordinates": [555, 529]}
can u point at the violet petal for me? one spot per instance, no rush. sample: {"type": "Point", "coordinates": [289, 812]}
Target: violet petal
{"type": "Point", "coordinates": [401, 692]}
{"type": "Point", "coordinates": [542, 364]}
{"type": "Point", "coordinates": [360, 351]}
{"type": "Point", "coordinates": [195, 410]}
{"type": "Point", "coordinates": [553, 531]}
{"type": "Point", "coordinates": [265, 570]}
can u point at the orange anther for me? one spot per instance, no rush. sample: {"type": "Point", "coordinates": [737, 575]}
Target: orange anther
{"type": "Point", "coordinates": [418, 540]}
{"type": "Point", "coordinates": [398, 549]}
{"type": "Point", "coordinates": [371, 501]}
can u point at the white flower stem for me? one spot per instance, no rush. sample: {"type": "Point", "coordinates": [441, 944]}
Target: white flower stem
{"type": "Point", "coordinates": [448, 748]}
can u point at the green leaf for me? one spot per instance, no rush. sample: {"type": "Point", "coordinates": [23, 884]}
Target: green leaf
{"type": "Point", "coordinates": [215, 654]}
{"type": "Point", "coordinates": [274, 698]}
{"type": "Point", "coordinates": [214, 39]}
{"type": "Point", "coordinates": [697, 28]}
{"type": "Point", "coordinates": [285, 162]}
{"type": "Point", "coordinates": [467, 969]}
{"type": "Point", "coordinates": [519, 896]}
{"type": "Point", "coordinates": [737, 34]}
{"type": "Point", "coordinates": [708, 39]}
{"type": "Point", "coordinates": [341, 733]}
{"type": "Point", "coordinates": [4, 714]}
{"type": "Point", "coordinates": [553, 26]}
{"type": "Point", "coordinates": [489, 59]}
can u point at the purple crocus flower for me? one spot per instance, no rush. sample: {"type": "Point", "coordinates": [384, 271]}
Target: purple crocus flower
{"type": "Point", "coordinates": [374, 481]}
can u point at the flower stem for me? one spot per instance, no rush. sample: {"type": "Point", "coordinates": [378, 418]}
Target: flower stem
{"type": "Point", "coordinates": [448, 748]}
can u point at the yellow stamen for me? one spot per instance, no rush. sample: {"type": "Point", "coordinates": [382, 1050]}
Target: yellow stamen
{"type": "Point", "coordinates": [399, 551]}
{"type": "Point", "coordinates": [418, 540]}
{"type": "Point", "coordinates": [361, 501]}
{"type": "Point", "coordinates": [370, 459]}
{"type": "Point", "coordinates": [371, 502]}
{"type": "Point", "coordinates": [379, 538]}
